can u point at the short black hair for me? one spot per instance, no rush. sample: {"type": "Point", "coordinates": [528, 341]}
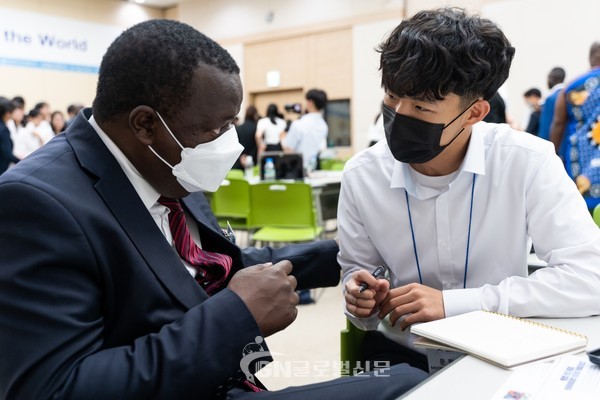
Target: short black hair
{"type": "Point", "coordinates": [18, 101]}
{"type": "Point", "coordinates": [41, 105]}
{"type": "Point", "coordinates": [318, 97]}
{"type": "Point", "coordinates": [443, 51]}
{"type": "Point", "coordinates": [152, 64]}
{"type": "Point", "coordinates": [595, 54]}
{"type": "Point", "coordinates": [33, 113]}
{"type": "Point", "coordinates": [6, 106]}
{"type": "Point", "coordinates": [74, 108]}
{"type": "Point", "coordinates": [556, 76]}
{"type": "Point", "coordinates": [533, 92]}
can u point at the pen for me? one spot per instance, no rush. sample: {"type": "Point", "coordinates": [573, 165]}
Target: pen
{"type": "Point", "coordinates": [230, 234]}
{"type": "Point", "coordinates": [363, 286]}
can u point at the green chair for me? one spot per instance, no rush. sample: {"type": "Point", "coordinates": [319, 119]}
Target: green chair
{"type": "Point", "coordinates": [283, 212]}
{"type": "Point", "coordinates": [332, 164]}
{"type": "Point", "coordinates": [231, 203]}
{"type": "Point", "coordinates": [596, 214]}
{"type": "Point", "coordinates": [351, 343]}
{"type": "Point", "coordinates": [235, 174]}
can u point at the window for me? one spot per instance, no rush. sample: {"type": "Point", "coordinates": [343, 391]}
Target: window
{"type": "Point", "coordinates": [337, 115]}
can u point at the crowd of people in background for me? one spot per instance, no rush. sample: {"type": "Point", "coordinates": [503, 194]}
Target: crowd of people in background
{"type": "Point", "coordinates": [567, 115]}
{"type": "Point", "coordinates": [307, 135]}
{"type": "Point", "coordinates": [21, 133]}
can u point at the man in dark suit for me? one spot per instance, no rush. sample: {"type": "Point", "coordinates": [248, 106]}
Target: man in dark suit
{"type": "Point", "coordinates": [98, 299]}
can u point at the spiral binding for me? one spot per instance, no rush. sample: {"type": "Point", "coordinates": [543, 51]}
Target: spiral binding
{"type": "Point", "coordinates": [527, 321]}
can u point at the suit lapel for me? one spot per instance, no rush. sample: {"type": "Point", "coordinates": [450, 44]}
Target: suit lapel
{"type": "Point", "coordinates": [121, 198]}
{"type": "Point", "coordinates": [211, 234]}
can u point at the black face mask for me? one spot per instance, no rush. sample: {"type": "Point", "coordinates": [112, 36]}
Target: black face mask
{"type": "Point", "coordinates": [414, 141]}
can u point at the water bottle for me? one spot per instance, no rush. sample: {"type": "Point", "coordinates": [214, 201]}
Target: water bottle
{"type": "Point", "coordinates": [312, 164]}
{"type": "Point", "coordinates": [249, 168]}
{"type": "Point", "coordinates": [269, 174]}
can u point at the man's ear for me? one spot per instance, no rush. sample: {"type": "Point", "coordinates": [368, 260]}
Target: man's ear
{"type": "Point", "coordinates": [143, 121]}
{"type": "Point", "coordinates": [478, 111]}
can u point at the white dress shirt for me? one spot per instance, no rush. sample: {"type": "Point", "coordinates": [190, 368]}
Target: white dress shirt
{"type": "Point", "coordinates": [307, 135]}
{"type": "Point", "coordinates": [521, 190]}
{"type": "Point", "coordinates": [147, 193]}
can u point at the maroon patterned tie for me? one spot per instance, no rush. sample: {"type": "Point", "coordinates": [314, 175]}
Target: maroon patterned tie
{"type": "Point", "coordinates": [212, 268]}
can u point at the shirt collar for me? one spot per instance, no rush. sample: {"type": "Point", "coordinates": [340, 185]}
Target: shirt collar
{"type": "Point", "coordinates": [474, 163]}
{"type": "Point", "coordinates": [147, 193]}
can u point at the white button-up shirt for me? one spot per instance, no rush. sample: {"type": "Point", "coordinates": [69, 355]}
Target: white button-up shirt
{"type": "Point", "coordinates": [307, 135]}
{"type": "Point", "coordinates": [148, 195]}
{"type": "Point", "coordinates": [521, 191]}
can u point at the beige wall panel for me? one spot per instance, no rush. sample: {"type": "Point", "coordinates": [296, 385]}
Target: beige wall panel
{"type": "Point", "coordinates": [330, 63]}
{"type": "Point", "coordinates": [58, 88]}
{"type": "Point", "coordinates": [288, 56]}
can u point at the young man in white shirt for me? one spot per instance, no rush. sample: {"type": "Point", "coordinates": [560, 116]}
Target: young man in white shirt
{"type": "Point", "coordinates": [447, 203]}
{"type": "Point", "coordinates": [308, 135]}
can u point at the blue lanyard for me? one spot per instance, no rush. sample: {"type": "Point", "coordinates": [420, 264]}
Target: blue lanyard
{"type": "Point", "coordinates": [412, 232]}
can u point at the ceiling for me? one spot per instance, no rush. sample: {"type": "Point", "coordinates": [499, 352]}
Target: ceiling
{"type": "Point", "coordinates": [159, 3]}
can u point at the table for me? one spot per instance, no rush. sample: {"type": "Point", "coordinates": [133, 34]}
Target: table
{"type": "Point", "coordinates": [471, 378]}
{"type": "Point", "coordinates": [326, 187]}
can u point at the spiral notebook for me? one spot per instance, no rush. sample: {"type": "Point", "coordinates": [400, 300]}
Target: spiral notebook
{"type": "Point", "coordinates": [501, 339]}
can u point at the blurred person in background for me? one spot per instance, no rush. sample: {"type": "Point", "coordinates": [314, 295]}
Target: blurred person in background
{"type": "Point", "coordinates": [268, 130]}
{"type": "Point", "coordinates": [57, 122]}
{"type": "Point", "coordinates": [7, 158]}
{"type": "Point", "coordinates": [72, 111]}
{"type": "Point", "coordinates": [308, 135]}
{"type": "Point", "coordinates": [246, 132]}
{"type": "Point", "coordinates": [533, 98]}
{"type": "Point", "coordinates": [33, 136]}
{"type": "Point", "coordinates": [568, 102]}
{"type": "Point", "coordinates": [556, 77]}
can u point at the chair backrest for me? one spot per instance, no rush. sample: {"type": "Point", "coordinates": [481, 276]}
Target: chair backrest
{"type": "Point", "coordinates": [235, 174]}
{"type": "Point", "coordinates": [232, 199]}
{"type": "Point", "coordinates": [596, 215]}
{"type": "Point", "coordinates": [281, 204]}
{"type": "Point", "coordinates": [332, 165]}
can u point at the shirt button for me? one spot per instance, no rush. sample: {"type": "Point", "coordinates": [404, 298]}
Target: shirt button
{"type": "Point", "coordinates": [443, 245]}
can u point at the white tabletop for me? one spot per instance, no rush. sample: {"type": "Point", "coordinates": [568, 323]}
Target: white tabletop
{"type": "Point", "coordinates": [471, 378]}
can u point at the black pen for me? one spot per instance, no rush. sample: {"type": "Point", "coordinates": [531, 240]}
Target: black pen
{"type": "Point", "coordinates": [363, 286]}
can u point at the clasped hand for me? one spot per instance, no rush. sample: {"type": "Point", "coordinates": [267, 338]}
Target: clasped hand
{"type": "Point", "coordinates": [414, 302]}
{"type": "Point", "coordinates": [269, 293]}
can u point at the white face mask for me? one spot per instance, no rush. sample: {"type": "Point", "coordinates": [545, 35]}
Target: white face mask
{"type": "Point", "coordinates": [204, 167]}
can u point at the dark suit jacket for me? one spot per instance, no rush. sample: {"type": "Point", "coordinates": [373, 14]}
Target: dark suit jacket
{"type": "Point", "coordinates": [95, 304]}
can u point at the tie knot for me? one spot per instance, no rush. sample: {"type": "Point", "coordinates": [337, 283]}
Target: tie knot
{"type": "Point", "coordinates": [172, 204]}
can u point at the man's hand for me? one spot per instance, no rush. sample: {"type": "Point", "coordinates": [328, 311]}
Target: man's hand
{"type": "Point", "coordinates": [365, 304]}
{"type": "Point", "coordinates": [269, 293]}
{"type": "Point", "coordinates": [419, 303]}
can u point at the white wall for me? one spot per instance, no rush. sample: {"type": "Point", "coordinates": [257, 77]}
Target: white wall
{"type": "Point", "coordinates": [237, 52]}
{"type": "Point", "coordinates": [545, 34]}
{"type": "Point", "coordinates": [226, 19]}
{"type": "Point", "coordinates": [367, 93]}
